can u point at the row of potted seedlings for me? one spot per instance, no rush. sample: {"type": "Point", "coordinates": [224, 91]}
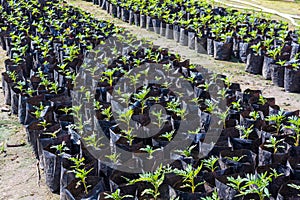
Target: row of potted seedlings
{"type": "Point", "coordinates": [267, 46]}
{"type": "Point", "coordinates": [40, 84]}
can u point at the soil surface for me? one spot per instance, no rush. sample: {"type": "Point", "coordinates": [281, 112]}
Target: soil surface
{"type": "Point", "coordinates": [19, 178]}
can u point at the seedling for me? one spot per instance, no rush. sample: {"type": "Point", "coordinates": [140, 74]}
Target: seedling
{"type": "Point", "coordinates": [93, 140]}
{"type": "Point", "coordinates": [227, 81]}
{"type": "Point", "coordinates": [76, 111]}
{"type": "Point", "coordinates": [108, 75]}
{"type": "Point", "coordinates": [125, 116]}
{"type": "Point", "coordinates": [134, 79]}
{"type": "Point", "coordinates": [245, 131]}
{"type": "Point", "coordinates": [173, 105]}
{"type": "Point", "coordinates": [253, 184]}
{"type": "Point", "coordinates": [223, 117]}
{"type": "Point", "coordinates": [113, 157]}
{"type": "Point", "coordinates": [78, 162]}
{"type": "Point", "coordinates": [107, 112]}
{"type": "Point", "coordinates": [116, 195]}
{"type": "Point", "coordinates": [38, 111]}
{"type": "Point", "coordinates": [236, 183]}
{"type": "Point", "coordinates": [237, 105]}
{"type": "Point", "coordinates": [168, 135]}
{"type": "Point", "coordinates": [189, 175]}
{"type": "Point", "coordinates": [13, 76]}
{"type": "Point", "coordinates": [256, 48]}
{"type": "Point", "coordinates": [80, 173]}
{"type": "Point", "coordinates": [295, 126]}
{"type": "Point", "coordinates": [292, 185]}
{"type": "Point", "coordinates": [180, 113]}
{"type": "Point", "coordinates": [66, 110]}
{"type": "Point", "coordinates": [223, 93]}
{"type": "Point", "coordinates": [274, 144]}
{"type": "Point", "coordinates": [254, 115]}
{"type": "Point", "coordinates": [277, 119]}
{"type": "Point", "coordinates": [149, 149]}
{"type": "Point", "coordinates": [20, 85]}
{"type": "Point", "coordinates": [44, 124]}
{"type": "Point", "coordinates": [141, 97]}
{"type": "Point", "coordinates": [235, 158]}
{"type": "Point", "coordinates": [52, 135]}
{"type": "Point", "coordinates": [160, 118]}
{"type": "Point", "coordinates": [281, 62]}
{"type": "Point", "coordinates": [155, 178]}
{"type": "Point", "coordinates": [262, 100]}
{"type": "Point", "coordinates": [128, 135]}
{"type": "Point", "coordinates": [60, 148]}
{"type": "Point", "coordinates": [30, 92]}
{"type": "Point", "coordinates": [186, 152]}
{"type": "Point", "coordinates": [210, 163]}
{"type": "Point", "coordinates": [211, 106]}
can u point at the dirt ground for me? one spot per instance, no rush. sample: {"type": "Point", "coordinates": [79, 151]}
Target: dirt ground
{"type": "Point", "coordinates": [18, 172]}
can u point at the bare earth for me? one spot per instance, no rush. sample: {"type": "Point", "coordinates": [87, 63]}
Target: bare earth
{"type": "Point", "coordinates": [18, 172]}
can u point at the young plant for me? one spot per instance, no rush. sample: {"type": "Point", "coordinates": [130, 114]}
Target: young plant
{"type": "Point", "coordinates": [38, 111]}
{"type": "Point", "coordinates": [80, 173]}
{"type": "Point", "coordinates": [256, 48]}
{"type": "Point", "coordinates": [149, 149]}
{"type": "Point", "coordinates": [128, 135]}
{"type": "Point", "coordinates": [93, 140]}
{"type": "Point", "coordinates": [44, 124]}
{"type": "Point", "coordinates": [297, 187]}
{"type": "Point", "coordinates": [125, 117]}
{"type": "Point", "coordinates": [30, 92]}
{"type": "Point", "coordinates": [189, 175]}
{"type": "Point", "coordinates": [227, 81]}
{"type": "Point", "coordinates": [108, 75]}
{"type": "Point", "coordinates": [195, 132]}
{"type": "Point", "coordinates": [12, 75]}
{"type": "Point", "coordinates": [236, 183]}
{"type": "Point", "coordinates": [210, 163]}
{"type": "Point", "coordinates": [160, 118]}
{"type": "Point", "coordinates": [155, 179]}
{"type": "Point", "coordinates": [295, 126]}
{"type": "Point", "coordinates": [262, 100]}
{"type": "Point", "coordinates": [113, 157]}
{"type": "Point", "coordinates": [168, 135]}
{"type": "Point", "coordinates": [21, 86]}
{"type": "Point", "coordinates": [107, 112]}
{"type": "Point", "coordinates": [223, 117]}
{"type": "Point", "coordinates": [211, 106]}
{"type": "Point", "coordinates": [141, 97]}
{"type": "Point", "coordinates": [237, 105]}
{"type": "Point", "coordinates": [60, 148]}
{"type": "Point", "coordinates": [223, 93]}
{"type": "Point", "coordinates": [235, 158]}
{"type": "Point", "coordinates": [274, 144]}
{"type": "Point", "coordinates": [116, 195]}
{"type": "Point", "coordinates": [245, 132]}
{"type": "Point", "coordinates": [254, 115]}
{"type": "Point", "coordinates": [76, 111]}
{"type": "Point", "coordinates": [253, 184]}
{"type": "Point", "coordinates": [277, 119]}
{"type": "Point", "coordinates": [65, 110]}
{"type": "Point", "coordinates": [186, 152]}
